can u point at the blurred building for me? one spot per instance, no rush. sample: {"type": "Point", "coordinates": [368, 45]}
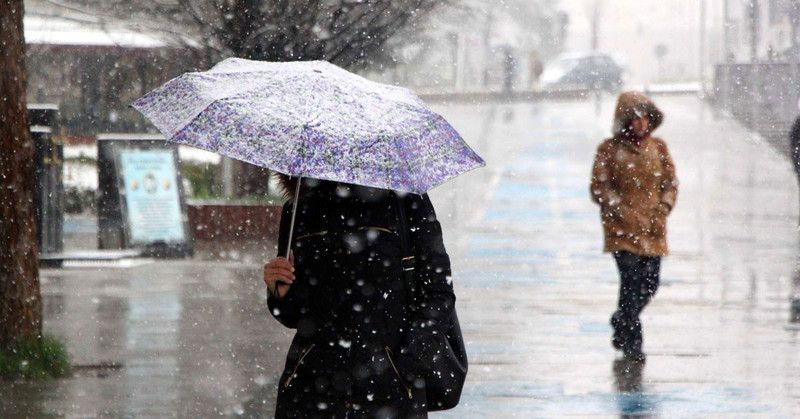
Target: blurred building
{"type": "Point", "coordinates": [479, 45]}
{"type": "Point", "coordinates": [762, 30]}
{"type": "Point", "coordinates": [758, 82]}
{"type": "Point", "coordinates": [93, 68]}
{"type": "Point", "coordinates": [657, 41]}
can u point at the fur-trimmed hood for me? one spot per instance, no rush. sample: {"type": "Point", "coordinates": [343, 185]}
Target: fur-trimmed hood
{"type": "Point", "coordinates": [632, 105]}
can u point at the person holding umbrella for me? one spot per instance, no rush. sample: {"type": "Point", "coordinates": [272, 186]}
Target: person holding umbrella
{"type": "Point", "coordinates": [362, 273]}
{"type": "Point", "coordinates": [342, 288]}
{"type": "Point", "coordinates": [794, 146]}
{"type": "Point", "coordinates": [633, 181]}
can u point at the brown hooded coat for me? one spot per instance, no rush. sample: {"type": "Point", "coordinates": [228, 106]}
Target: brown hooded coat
{"type": "Point", "coordinates": [633, 181]}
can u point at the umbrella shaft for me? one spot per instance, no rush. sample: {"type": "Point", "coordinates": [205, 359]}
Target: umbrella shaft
{"type": "Point", "coordinates": [294, 215]}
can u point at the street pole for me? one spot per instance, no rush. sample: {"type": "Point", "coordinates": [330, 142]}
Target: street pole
{"type": "Point", "coordinates": [487, 54]}
{"type": "Point", "coordinates": [726, 28]}
{"type": "Point", "coordinates": [702, 48]}
{"type": "Point", "coordinates": [754, 13]}
{"type": "Point", "coordinates": [595, 45]}
{"type": "Point", "coordinates": [794, 19]}
{"type": "Point", "coordinates": [596, 25]}
{"type": "Point", "coordinates": [226, 166]}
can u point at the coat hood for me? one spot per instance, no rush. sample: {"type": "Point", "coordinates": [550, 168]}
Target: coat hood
{"type": "Point", "coordinates": [632, 105]}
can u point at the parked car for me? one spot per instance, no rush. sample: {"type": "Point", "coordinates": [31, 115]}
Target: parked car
{"type": "Point", "coordinates": [594, 71]}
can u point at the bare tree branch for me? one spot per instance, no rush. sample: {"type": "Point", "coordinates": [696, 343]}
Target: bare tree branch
{"type": "Point", "coordinates": [347, 32]}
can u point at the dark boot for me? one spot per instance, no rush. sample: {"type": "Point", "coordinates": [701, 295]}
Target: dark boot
{"type": "Point", "coordinates": [618, 340]}
{"type": "Point", "coordinates": [634, 354]}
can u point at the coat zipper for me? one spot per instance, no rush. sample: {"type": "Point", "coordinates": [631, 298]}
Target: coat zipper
{"type": "Point", "coordinates": [383, 229]}
{"type": "Point", "coordinates": [324, 232]}
{"type": "Point", "coordinates": [291, 377]}
{"type": "Point", "coordinates": [319, 233]}
{"type": "Point", "coordinates": [396, 371]}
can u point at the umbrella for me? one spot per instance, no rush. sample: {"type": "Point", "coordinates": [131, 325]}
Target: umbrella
{"type": "Point", "coordinates": [311, 119]}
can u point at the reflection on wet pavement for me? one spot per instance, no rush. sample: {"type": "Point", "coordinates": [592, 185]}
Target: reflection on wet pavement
{"type": "Point", "coordinates": [536, 292]}
{"type": "Point", "coordinates": [194, 338]}
{"type": "Point", "coordinates": [632, 401]}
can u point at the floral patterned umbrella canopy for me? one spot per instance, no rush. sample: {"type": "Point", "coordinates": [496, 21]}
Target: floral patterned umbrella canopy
{"type": "Point", "coordinates": [311, 119]}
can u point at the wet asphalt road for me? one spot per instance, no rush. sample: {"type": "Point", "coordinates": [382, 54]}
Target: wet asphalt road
{"type": "Point", "coordinates": [534, 292]}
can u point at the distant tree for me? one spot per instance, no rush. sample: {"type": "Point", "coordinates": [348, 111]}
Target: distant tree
{"type": "Point", "coordinates": [349, 33]}
{"type": "Point", "coordinates": [20, 297]}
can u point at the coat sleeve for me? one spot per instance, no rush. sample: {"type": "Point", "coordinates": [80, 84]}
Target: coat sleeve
{"type": "Point", "coordinates": [601, 186]}
{"type": "Point", "coordinates": [669, 182]}
{"type": "Point", "coordinates": [287, 309]}
{"type": "Point", "coordinates": [435, 297]}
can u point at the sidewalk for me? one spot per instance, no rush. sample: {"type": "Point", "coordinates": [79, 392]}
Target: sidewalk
{"type": "Point", "coordinates": [534, 292]}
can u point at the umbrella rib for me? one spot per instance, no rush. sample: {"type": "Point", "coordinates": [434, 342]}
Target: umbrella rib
{"type": "Point", "coordinates": [405, 161]}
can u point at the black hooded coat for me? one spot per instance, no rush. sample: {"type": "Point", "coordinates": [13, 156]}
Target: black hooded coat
{"type": "Point", "coordinates": [362, 342]}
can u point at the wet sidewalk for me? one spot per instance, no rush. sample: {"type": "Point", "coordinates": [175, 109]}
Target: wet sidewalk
{"type": "Point", "coordinates": [535, 293]}
{"type": "Point", "coordinates": [194, 339]}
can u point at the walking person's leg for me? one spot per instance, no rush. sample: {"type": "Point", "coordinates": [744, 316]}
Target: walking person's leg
{"type": "Point", "coordinates": [622, 320]}
{"type": "Point", "coordinates": [645, 286]}
{"type": "Point", "coordinates": [639, 281]}
{"type": "Point", "coordinates": [651, 273]}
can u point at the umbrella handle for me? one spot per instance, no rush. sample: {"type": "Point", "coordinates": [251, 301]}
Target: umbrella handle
{"type": "Point", "coordinates": [294, 214]}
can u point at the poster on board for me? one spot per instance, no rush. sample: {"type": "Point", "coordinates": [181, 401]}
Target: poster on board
{"type": "Point", "coordinates": [152, 198]}
{"type": "Point", "coordinates": [140, 202]}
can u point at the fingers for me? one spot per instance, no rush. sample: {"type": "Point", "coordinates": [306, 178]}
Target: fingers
{"type": "Point", "coordinates": [277, 286]}
{"type": "Point", "coordinates": [278, 290]}
{"type": "Point", "coordinates": [280, 280]}
{"type": "Point", "coordinates": [279, 274]}
{"type": "Point", "coordinates": [282, 262]}
{"type": "Point", "coordinates": [282, 290]}
{"type": "Point", "coordinates": [279, 265]}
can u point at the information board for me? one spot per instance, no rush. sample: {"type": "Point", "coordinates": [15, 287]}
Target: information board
{"type": "Point", "coordinates": [152, 196]}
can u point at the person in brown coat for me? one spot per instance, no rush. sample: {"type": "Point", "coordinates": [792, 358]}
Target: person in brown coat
{"type": "Point", "coordinates": [633, 181]}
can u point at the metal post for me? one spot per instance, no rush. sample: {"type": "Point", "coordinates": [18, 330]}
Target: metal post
{"type": "Point", "coordinates": [596, 11]}
{"type": "Point", "coordinates": [702, 48]}
{"type": "Point", "coordinates": [794, 303]}
{"type": "Point", "coordinates": [226, 166]}
{"type": "Point", "coordinates": [754, 20]}
{"type": "Point", "coordinates": [487, 54]}
{"type": "Point", "coordinates": [452, 39]}
{"type": "Point", "coordinates": [48, 183]}
{"type": "Point", "coordinates": [726, 28]}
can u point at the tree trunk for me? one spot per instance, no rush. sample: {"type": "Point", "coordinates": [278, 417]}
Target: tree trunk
{"type": "Point", "coordinates": [20, 298]}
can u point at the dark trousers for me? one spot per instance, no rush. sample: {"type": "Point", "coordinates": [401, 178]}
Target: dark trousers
{"type": "Point", "coordinates": [639, 279]}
